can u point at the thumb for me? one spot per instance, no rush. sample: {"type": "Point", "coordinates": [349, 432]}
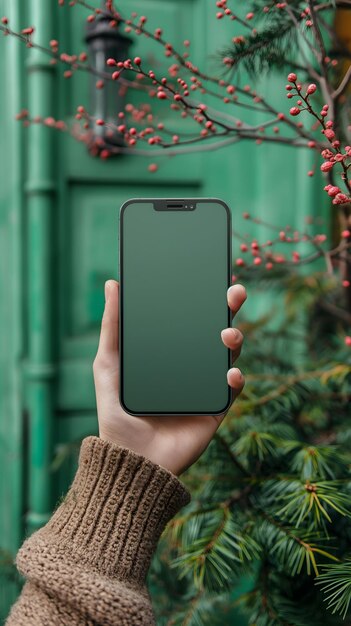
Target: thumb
{"type": "Point", "coordinates": [108, 342]}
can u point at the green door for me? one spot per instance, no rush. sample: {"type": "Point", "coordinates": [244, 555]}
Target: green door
{"type": "Point", "coordinates": [58, 235]}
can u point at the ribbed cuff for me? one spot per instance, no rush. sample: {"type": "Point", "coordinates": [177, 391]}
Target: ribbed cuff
{"type": "Point", "coordinates": [116, 509]}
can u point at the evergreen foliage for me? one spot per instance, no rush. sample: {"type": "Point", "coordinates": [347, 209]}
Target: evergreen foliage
{"type": "Point", "coordinates": [276, 40]}
{"type": "Point", "coordinates": [271, 504]}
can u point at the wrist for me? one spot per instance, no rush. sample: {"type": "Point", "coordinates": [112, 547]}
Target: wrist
{"type": "Point", "coordinates": [115, 511]}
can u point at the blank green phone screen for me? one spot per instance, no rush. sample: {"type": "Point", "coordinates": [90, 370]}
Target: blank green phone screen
{"type": "Point", "coordinates": [174, 273]}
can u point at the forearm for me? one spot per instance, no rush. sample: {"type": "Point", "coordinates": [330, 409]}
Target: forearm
{"type": "Point", "coordinates": [92, 557]}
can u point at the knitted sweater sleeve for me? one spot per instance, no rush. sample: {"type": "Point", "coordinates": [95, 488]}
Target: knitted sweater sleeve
{"type": "Point", "coordinates": [87, 566]}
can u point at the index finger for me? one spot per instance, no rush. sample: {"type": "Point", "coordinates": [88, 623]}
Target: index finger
{"type": "Point", "coordinates": [236, 296]}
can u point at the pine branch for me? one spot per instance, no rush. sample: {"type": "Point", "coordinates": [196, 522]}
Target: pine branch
{"type": "Point", "coordinates": [336, 585]}
{"type": "Point", "coordinates": [259, 53]}
{"type": "Point", "coordinates": [312, 501]}
{"type": "Point", "coordinates": [220, 547]}
{"type": "Point", "coordinates": [295, 549]}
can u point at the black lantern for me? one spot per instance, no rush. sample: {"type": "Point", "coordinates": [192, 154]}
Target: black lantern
{"type": "Point", "coordinates": [104, 42]}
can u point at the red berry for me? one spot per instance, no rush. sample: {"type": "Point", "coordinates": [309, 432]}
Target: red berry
{"type": "Point", "coordinates": [292, 78]}
{"type": "Point", "coordinates": [115, 75]}
{"type": "Point", "coordinates": [246, 216]}
{"type": "Point", "coordinates": [243, 247]}
{"type": "Point", "coordinates": [346, 283]}
{"type": "Point", "coordinates": [333, 190]}
{"type": "Point", "coordinates": [28, 31]}
{"type": "Point", "coordinates": [100, 84]}
{"type": "Point", "coordinates": [257, 261]}
{"type": "Point", "coordinates": [327, 166]}
{"type": "Point", "coordinates": [49, 121]}
{"type": "Point", "coordinates": [341, 198]}
{"type": "Point", "coordinates": [240, 262]}
{"type": "Point", "coordinates": [161, 95]}
{"type": "Point", "coordinates": [320, 238]}
{"type": "Point", "coordinates": [137, 61]}
{"type": "Point", "coordinates": [153, 167]}
{"type": "Point", "coordinates": [111, 62]}
{"type": "Point", "coordinates": [4, 20]}
{"type": "Point", "coordinates": [345, 234]}
{"type": "Point", "coordinates": [329, 133]}
{"type": "Point", "coordinates": [311, 89]}
{"type": "Point", "coordinates": [295, 111]}
{"type": "Point", "coordinates": [100, 122]}
{"type": "Point", "coordinates": [347, 341]}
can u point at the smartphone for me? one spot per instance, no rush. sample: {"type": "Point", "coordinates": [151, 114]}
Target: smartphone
{"type": "Point", "coordinates": [175, 270]}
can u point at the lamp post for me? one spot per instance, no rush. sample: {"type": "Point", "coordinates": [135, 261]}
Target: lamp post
{"type": "Point", "coordinates": [104, 42]}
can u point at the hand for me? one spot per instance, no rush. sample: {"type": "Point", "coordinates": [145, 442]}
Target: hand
{"type": "Point", "coordinates": [172, 442]}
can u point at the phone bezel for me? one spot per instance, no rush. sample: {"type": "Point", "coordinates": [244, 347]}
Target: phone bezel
{"type": "Point", "coordinates": [124, 206]}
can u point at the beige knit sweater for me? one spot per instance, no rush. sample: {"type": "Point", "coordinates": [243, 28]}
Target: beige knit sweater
{"type": "Point", "coordinates": [87, 566]}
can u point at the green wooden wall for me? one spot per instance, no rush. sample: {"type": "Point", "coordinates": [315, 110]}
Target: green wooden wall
{"type": "Point", "coordinates": [58, 237]}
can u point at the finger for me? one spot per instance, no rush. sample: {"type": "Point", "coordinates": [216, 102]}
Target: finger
{"type": "Point", "coordinates": [236, 296]}
{"type": "Point", "coordinates": [232, 338]}
{"type": "Point", "coordinates": [235, 380]}
{"type": "Point", "coordinates": [108, 342]}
